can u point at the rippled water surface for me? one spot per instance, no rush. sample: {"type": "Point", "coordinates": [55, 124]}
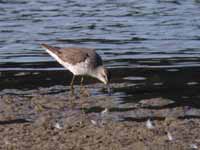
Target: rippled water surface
{"type": "Point", "coordinates": [152, 47]}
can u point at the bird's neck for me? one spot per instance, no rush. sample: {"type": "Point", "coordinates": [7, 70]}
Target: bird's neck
{"type": "Point", "coordinates": [95, 73]}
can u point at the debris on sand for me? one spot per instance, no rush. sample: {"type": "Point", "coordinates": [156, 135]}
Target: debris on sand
{"type": "Point", "coordinates": [149, 124]}
{"type": "Point", "coordinates": [193, 146]}
{"type": "Point", "coordinates": [170, 138]}
{"type": "Point", "coordinates": [94, 122]}
{"type": "Point", "coordinates": [104, 112]}
{"type": "Point", "coordinates": [58, 126]}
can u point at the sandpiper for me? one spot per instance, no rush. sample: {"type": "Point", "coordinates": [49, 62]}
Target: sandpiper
{"type": "Point", "coordinates": [81, 62]}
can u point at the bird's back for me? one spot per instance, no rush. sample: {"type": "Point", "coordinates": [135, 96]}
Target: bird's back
{"type": "Point", "coordinates": [74, 55]}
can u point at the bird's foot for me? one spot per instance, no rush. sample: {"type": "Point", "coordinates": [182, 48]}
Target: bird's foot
{"type": "Point", "coordinates": [39, 107]}
{"type": "Point", "coordinates": [72, 101]}
{"type": "Point", "coordinates": [72, 93]}
{"type": "Point", "coordinates": [72, 97]}
{"type": "Point", "coordinates": [84, 92]}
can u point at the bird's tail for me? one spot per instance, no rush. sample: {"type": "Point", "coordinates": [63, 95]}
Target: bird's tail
{"type": "Point", "coordinates": [51, 48]}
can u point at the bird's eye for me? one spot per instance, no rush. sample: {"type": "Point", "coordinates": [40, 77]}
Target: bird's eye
{"type": "Point", "coordinates": [103, 76]}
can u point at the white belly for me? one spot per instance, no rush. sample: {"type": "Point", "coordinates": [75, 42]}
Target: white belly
{"type": "Point", "coordinates": [79, 68]}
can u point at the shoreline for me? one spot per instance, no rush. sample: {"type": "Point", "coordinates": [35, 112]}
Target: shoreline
{"type": "Point", "coordinates": [41, 119]}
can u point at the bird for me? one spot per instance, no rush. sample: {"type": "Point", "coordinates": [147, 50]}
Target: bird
{"type": "Point", "coordinates": [80, 62]}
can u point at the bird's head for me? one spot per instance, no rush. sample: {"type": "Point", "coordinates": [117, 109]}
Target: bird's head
{"type": "Point", "coordinates": [103, 74]}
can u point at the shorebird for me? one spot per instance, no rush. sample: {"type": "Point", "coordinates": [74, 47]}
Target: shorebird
{"type": "Point", "coordinates": [81, 62]}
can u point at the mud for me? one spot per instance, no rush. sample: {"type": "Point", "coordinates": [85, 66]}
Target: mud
{"type": "Point", "coordinates": [49, 118]}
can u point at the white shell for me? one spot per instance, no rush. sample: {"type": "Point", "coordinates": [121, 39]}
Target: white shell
{"type": "Point", "coordinates": [149, 124]}
{"type": "Point", "coordinates": [169, 136]}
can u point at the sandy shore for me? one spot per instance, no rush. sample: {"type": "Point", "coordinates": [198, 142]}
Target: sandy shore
{"type": "Point", "coordinates": [49, 119]}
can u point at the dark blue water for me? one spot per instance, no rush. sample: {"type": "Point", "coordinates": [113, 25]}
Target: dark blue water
{"type": "Point", "coordinates": [120, 31]}
{"type": "Point", "coordinates": [151, 45]}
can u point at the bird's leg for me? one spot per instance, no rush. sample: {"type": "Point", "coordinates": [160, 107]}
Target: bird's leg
{"type": "Point", "coordinates": [71, 95]}
{"type": "Point", "coordinates": [82, 82]}
{"type": "Point", "coordinates": [81, 85]}
{"type": "Point", "coordinates": [83, 90]}
{"type": "Point", "coordinates": [72, 85]}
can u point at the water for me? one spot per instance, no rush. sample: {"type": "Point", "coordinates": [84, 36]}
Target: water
{"type": "Point", "coordinates": [150, 46]}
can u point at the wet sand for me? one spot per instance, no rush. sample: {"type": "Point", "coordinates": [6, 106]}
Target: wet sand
{"type": "Point", "coordinates": [47, 118]}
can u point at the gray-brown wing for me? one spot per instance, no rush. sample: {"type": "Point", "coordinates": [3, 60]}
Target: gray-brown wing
{"type": "Point", "coordinates": [77, 55]}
